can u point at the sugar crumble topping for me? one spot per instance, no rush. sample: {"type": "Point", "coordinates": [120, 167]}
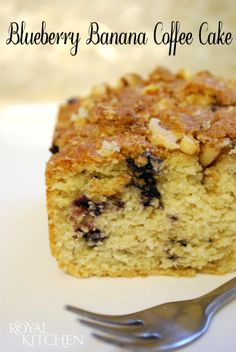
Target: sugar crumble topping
{"type": "Point", "coordinates": [165, 112]}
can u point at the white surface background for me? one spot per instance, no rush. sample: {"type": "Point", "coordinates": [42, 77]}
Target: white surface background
{"type": "Point", "coordinates": [33, 289]}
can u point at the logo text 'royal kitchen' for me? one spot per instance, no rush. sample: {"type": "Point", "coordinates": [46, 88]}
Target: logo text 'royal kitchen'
{"type": "Point", "coordinates": [35, 334]}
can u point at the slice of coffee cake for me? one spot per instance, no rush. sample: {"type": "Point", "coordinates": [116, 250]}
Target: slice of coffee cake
{"type": "Point", "coordinates": [143, 178]}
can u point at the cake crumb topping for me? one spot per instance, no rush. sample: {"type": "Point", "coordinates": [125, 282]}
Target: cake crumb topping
{"type": "Point", "coordinates": [163, 113]}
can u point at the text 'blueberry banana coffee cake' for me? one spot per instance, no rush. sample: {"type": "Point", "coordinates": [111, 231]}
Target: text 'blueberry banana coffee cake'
{"type": "Point", "coordinates": [142, 179]}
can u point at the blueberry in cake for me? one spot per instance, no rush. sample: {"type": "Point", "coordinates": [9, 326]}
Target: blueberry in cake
{"type": "Point", "coordinates": [142, 179]}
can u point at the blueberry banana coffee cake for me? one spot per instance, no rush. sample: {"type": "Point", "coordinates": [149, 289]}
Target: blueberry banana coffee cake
{"type": "Point", "coordinates": [142, 179]}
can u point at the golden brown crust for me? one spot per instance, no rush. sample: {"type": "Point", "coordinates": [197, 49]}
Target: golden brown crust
{"type": "Point", "coordinates": [202, 106]}
{"type": "Point", "coordinates": [81, 272]}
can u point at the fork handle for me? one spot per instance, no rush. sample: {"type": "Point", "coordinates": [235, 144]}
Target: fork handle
{"type": "Point", "coordinates": [217, 298]}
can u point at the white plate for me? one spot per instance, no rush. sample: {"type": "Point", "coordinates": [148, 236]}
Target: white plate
{"type": "Point", "coordinates": [34, 289]}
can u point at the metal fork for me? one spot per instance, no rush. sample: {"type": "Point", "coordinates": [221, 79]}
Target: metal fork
{"type": "Point", "coordinates": [162, 328]}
